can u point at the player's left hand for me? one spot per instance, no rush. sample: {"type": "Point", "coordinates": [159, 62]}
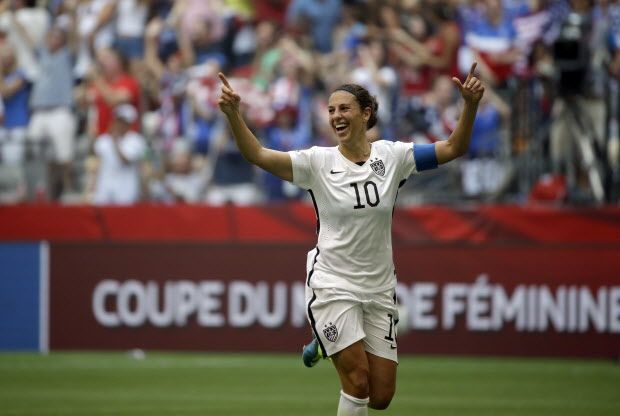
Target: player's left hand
{"type": "Point", "coordinates": [471, 89]}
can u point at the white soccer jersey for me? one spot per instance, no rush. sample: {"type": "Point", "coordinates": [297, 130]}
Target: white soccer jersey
{"type": "Point", "coordinates": [354, 206]}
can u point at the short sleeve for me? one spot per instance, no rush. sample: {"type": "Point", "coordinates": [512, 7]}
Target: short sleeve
{"type": "Point", "coordinates": [302, 161]}
{"type": "Point", "coordinates": [404, 155]}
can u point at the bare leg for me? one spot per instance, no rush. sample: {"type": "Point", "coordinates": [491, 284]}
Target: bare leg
{"type": "Point", "coordinates": [382, 381]}
{"type": "Point", "coordinates": [353, 370]}
{"type": "Point", "coordinates": [364, 375]}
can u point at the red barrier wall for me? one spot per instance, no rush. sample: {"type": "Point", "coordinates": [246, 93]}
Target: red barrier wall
{"type": "Point", "coordinates": [487, 280]}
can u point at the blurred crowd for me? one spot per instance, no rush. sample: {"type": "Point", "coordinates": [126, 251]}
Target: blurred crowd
{"type": "Point", "coordinates": [115, 101]}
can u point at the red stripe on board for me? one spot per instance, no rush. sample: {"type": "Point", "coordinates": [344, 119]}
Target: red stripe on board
{"type": "Point", "coordinates": [256, 224]}
{"type": "Point", "coordinates": [49, 222]}
{"type": "Point", "coordinates": [304, 213]}
{"type": "Point", "coordinates": [295, 222]}
{"type": "Point", "coordinates": [406, 228]}
{"type": "Point", "coordinates": [166, 222]}
{"type": "Point", "coordinates": [553, 225]}
{"type": "Point", "coordinates": [446, 224]}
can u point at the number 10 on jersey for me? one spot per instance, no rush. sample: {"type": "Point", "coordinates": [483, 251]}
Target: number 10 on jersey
{"type": "Point", "coordinates": [371, 192]}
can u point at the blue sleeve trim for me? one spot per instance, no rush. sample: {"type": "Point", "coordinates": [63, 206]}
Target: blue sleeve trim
{"type": "Point", "coordinates": [424, 156]}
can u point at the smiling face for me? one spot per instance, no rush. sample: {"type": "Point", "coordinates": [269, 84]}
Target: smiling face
{"type": "Point", "coordinates": [347, 120]}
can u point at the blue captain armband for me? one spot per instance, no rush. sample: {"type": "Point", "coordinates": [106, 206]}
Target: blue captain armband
{"type": "Point", "coordinates": [424, 156]}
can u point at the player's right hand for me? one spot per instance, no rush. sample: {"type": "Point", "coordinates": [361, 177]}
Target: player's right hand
{"type": "Point", "coordinates": [229, 100]}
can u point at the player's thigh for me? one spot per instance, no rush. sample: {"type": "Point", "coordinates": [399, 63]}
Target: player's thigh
{"type": "Point", "coordinates": [353, 370]}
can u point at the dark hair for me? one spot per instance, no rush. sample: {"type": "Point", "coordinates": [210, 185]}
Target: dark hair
{"type": "Point", "coordinates": [364, 99]}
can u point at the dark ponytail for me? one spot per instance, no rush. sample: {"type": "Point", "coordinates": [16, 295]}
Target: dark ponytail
{"type": "Point", "coordinates": [364, 99]}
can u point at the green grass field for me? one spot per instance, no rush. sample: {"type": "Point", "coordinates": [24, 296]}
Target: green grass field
{"type": "Point", "coordinates": [256, 385]}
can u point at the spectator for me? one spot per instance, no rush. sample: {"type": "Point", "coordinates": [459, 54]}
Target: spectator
{"type": "Point", "coordinates": [352, 28]}
{"type": "Point", "coordinates": [432, 116]}
{"type": "Point", "coordinates": [186, 175]}
{"type": "Point", "coordinates": [15, 91]}
{"type": "Point", "coordinates": [170, 81]}
{"type": "Point", "coordinates": [483, 173]}
{"type": "Point", "coordinates": [318, 17]}
{"type": "Point", "coordinates": [233, 180]}
{"type": "Point", "coordinates": [490, 39]}
{"type": "Point", "coordinates": [530, 26]}
{"type": "Point", "coordinates": [431, 42]}
{"type": "Point", "coordinates": [51, 103]}
{"type": "Point", "coordinates": [111, 85]}
{"type": "Point", "coordinates": [119, 152]}
{"type": "Point", "coordinates": [201, 30]}
{"type": "Point", "coordinates": [580, 87]}
{"type": "Point", "coordinates": [267, 55]}
{"type": "Point", "coordinates": [443, 44]}
{"type": "Point", "coordinates": [243, 46]}
{"type": "Point", "coordinates": [380, 79]}
{"type": "Point", "coordinates": [130, 24]}
{"type": "Point", "coordinates": [12, 181]}
{"type": "Point", "coordinates": [200, 112]}
{"type": "Point", "coordinates": [291, 130]}
{"type": "Point", "coordinates": [407, 45]}
{"type": "Point", "coordinates": [94, 31]}
{"type": "Point", "coordinates": [162, 10]}
{"type": "Point", "coordinates": [193, 14]}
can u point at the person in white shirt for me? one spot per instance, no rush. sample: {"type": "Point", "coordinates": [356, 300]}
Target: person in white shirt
{"type": "Point", "coordinates": [119, 152]}
{"type": "Point", "coordinates": [351, 280]}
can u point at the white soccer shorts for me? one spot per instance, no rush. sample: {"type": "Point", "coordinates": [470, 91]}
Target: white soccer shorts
{"type": "Point", "coordinates": [340, 318]}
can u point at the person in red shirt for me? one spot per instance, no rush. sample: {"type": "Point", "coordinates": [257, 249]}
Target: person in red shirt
{"type": "Point", "coordinates": [111, 85]}
{"type": "Point", "coordinates": [427, 51]}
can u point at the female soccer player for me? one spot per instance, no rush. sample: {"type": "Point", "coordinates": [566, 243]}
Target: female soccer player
{"type": "Point", "coordinates": [350, 284]}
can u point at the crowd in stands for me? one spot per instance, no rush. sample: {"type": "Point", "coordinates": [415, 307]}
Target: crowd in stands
{"type": "Point", "coordinates": [115, 101]}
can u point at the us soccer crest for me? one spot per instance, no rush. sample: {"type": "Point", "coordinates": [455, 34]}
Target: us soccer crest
{"type": "Point", "coordinates": [378, 167]}
{"type": "Point", "coordinates": [331, 332]}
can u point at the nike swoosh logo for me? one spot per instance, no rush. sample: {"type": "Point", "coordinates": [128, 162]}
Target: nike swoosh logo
{"type": "Point", "coordinates": [393, 346]}
{"type": "Point", "coordinates": [336, 171]}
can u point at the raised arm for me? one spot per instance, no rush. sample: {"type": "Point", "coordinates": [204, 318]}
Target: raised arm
{"type": "Point", "coordinates": [458, 142]}
{"type": "Point", "coordinates": [273, 161]}
{"type": "Point", "coordinates": [151, 37]}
